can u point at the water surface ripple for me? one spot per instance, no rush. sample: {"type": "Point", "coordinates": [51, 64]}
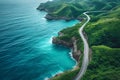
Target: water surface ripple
{"type": "Point", "coordinates": [26, 51]}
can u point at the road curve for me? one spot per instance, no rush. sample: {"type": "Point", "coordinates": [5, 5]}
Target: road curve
{"type": "Point", "coordinates": [86, 50]}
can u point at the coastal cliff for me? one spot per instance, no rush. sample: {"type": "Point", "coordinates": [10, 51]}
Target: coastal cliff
{"type": "Point", "coordinates": [72, 44]}
{"type": "Point", "coordinates": [53, 17]}
{"type": "Point", "coordinates": [64, 11]}
{"type": "Point", "coordinates": [102, 35]}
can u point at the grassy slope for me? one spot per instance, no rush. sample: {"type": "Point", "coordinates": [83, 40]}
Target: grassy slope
{"type": "Point", "coordinates": [71, 32]}
{"type": "Point", "coordinates": [67, 10]}
{"type": "Point", "coordinates": [105, 62]}
{"type": "Point", "coordinates": [105, 31]}
{"type": "Point", "coordinates": [68, 75]}
{"type": "Point", "coordinates": [104, 65]}
{"type": "Point", "coordinates": [74, 8]}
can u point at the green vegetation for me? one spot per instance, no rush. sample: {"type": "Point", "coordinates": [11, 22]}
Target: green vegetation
{"type": "Point", "coordinates": [103, 30]}
{"type": "Point", "coordinates": [71, 32]}
{"type": "Point", "coordinates": [103, 33]}
{"type": "Point", "coordinates": [67, 10]}
{"type": "Point", "coordinates": [105, 64]}
{"type": "Point", "coordinates": [68, 75]}
{"type": "Point", "coordinates": [72, 9]}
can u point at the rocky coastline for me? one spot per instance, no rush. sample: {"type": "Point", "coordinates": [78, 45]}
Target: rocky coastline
{"type": "Point", "coordinates": [76, 53]}
{"type": "Point", "coordinates": [50, 16]}
{"type": "Point", "coordinates": [73, 45]}
{"type": "Point", "coordinates": [55, 40]}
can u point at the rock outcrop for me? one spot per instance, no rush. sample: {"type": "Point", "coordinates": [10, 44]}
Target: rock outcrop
{"type": "Point", "coordinates": [56, 40]}
{"type": "Point", "coordinates": [73, 45]}
{"type": "Point", "coordinates": [52, 17]}
{"type": "Point", "coordinates": [76, 53]}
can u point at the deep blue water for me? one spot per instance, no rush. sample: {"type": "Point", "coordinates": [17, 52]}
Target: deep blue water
{"type": "Point", "coordinates": [26, 51]}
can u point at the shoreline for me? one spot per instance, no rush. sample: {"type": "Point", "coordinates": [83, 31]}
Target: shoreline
{"type": "Point", "coordinates": [50, 17]}
{"type": "Point", "coordinates": [74, 53]}
{"type": "Point", "coordinates": [60, 71]}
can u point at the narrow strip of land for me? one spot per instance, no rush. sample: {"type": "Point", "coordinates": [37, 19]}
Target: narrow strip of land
{"type": "Point", "coordinates": [86, 50]}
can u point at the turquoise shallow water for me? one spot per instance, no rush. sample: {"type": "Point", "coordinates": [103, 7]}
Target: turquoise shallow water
{"type": "Point", "coordinates": [26, 51]}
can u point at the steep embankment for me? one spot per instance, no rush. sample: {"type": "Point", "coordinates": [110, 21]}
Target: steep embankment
{"type": "Point", "coordinates": [62, 11]}
{"type": "Point", "coordinates": [103, 29]}
{"type": "Point", "coordinates": [70, 37]}
{"type": "Point", "coordinates": [85, 61]}
{"type": "Point", "coordinates": [104, 65]}
{"type": "Point", "coordinates": [68, 10]}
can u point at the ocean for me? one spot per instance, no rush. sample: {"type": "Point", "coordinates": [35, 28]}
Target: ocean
{"type": "Point", "coordinates": [26, 49]}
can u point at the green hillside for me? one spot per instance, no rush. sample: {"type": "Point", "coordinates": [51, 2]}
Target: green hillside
{"type": "Point", "coordinates": [103, 36]}
{"type": "Point", "coordinates": [103, 32]}
{"type": "Point", "coordinates": [68, 10]}
{"type": "Point", "coordinates": [72, 9]}
{"type": "Point", "coordinates": [104, 65]}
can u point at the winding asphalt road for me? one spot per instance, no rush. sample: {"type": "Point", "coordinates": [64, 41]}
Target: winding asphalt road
{"type": "Point", "coordinates": [85, 61]}
{"type": "Point", "coordinates": [86, 50]}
